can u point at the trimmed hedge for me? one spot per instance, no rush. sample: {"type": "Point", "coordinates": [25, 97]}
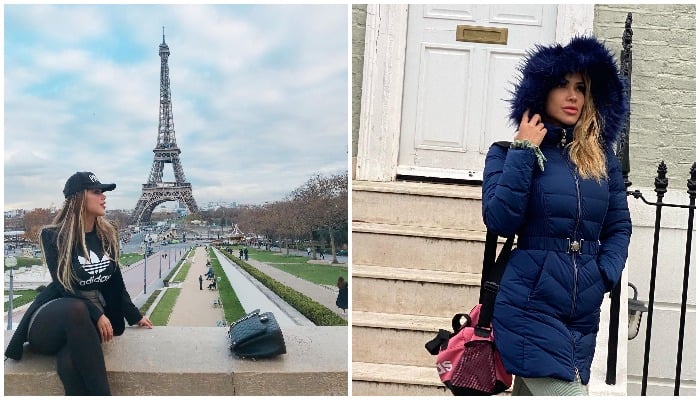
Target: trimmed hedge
{"type": "Point", "coordinates": [148, 302]}
{"type": "Point", "coordinates": [314, 311]}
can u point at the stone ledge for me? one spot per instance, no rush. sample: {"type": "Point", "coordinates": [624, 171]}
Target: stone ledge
{"type": "Point", "coordinates": [170, 361]}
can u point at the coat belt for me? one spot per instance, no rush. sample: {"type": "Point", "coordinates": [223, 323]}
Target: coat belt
{"type": "Point", "coordinates": [580, 246]}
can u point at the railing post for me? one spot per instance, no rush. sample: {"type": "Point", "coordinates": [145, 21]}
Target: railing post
{"type": "Point", "coordinates": [623, 151]}
{"type": "Point", "coordinates": [623, 154]}
{"type": "Point", "coordinates": [686, 273]}
{"type": "Point", "coordinates": [660, 184]}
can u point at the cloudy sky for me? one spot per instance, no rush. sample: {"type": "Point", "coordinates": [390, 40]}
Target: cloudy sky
{"type": "Point", "coordinates": [259, 98]}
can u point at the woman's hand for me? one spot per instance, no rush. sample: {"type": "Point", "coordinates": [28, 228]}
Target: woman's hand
{"type": "Point", "coordinates": [104, 327]}
{"type": "Point", "coordinates": [146, 322]}
{"type": "Point", "coordinates": [531, 129]}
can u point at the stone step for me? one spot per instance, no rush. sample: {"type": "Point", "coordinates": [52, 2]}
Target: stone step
{"type": "Point", "coordinates": [412, 297]}
{"type": "Point", "coordinates": [372, 379]}
{"type": "Point", "coordinates": [438, 249]}
{"type": "Point", "coordinates": [409, 333]}
{"type": "Point", "coordinates": [415, 275]}
{"type": "Point", "coordinates": [417, 204]}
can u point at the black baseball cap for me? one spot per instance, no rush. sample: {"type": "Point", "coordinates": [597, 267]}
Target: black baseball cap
{"type": "Point", "coordinates": [80, 181]}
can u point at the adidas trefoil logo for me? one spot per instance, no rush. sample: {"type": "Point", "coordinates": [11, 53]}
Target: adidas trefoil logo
{"type": "Point", "coordinates": [94, 265]}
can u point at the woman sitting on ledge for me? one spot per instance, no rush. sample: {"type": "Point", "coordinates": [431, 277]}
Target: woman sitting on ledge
{"type": "Point", "coordinates": [86, 302]}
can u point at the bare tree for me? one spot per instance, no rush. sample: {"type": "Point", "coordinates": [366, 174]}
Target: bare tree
{"type": "Point", "coordinates": [325, 200]}
{"type": "Point", "coordinates": [33, 222]}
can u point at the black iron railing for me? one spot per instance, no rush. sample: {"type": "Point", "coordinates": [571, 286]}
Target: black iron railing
{"type": "Point", "coordinates": [661, 185]}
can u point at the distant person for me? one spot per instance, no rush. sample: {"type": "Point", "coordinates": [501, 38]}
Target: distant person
{"type": "Point", "coordinates": [200, 282]}
{"type": "Point", "coordinates": [245, 253]}
{"type": "Point", "coordinates": [342, 300]}
{"type": "Point", "coordinates": [86, 302]}
{"type": "Point", "coordinates": [320, 253]}
{"type": "Point", "coordinates": [240, 254]}
{"type": "Point", "coordinates": [308, 251]}
{"type": "Point", "coordinates": [212, 285]}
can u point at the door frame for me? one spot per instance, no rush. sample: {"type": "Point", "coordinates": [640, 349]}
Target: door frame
{"type": "Point", "coordinates": [382, 82]}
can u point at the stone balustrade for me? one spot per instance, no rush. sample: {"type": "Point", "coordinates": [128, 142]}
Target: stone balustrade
{"type": "Point", "coordinates": [169, 361]}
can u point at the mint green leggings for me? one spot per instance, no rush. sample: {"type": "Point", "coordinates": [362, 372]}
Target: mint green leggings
{"type": "Point", "coordinates": [547, 387]}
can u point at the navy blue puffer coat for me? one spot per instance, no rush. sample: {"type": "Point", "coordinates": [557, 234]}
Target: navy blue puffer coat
{"type": "Point", "coordinates": [548, 306]}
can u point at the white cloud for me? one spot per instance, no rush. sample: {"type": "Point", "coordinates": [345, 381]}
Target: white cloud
{"type": "Point", "coordinates": [259, 98]}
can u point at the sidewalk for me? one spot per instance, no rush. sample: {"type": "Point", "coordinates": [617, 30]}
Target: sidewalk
{"type": "Point", "coordinates": [194, 307]}
{"type": "Point", "coordinates": [322, 294]}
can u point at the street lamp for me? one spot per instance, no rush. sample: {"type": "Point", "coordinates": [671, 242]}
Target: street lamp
{"type": "Point", "coordinates": [635, 309]}
{"type": "Point", "coordinates": [145, 257]}
{"type": "Point", "coordinates": [11, 262]}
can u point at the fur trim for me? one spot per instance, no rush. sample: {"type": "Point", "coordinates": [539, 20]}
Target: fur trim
{"type": "Point", "coordinates": [545, 66]}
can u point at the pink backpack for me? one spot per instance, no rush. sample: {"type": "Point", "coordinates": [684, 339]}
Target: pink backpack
{"type": "Point", "coordinates": [467, 363]}
{"type": "Point", "coordinates": [467, 360]}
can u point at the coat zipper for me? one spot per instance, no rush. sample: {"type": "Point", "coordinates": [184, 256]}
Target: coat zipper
{"type": "Point", "coordinates": [573, 253]}
{"type": "Point", "coordinates": [578, 218]}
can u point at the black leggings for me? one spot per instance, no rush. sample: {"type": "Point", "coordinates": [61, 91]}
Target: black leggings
{"type": "Point", "coordinates": [64, 328]}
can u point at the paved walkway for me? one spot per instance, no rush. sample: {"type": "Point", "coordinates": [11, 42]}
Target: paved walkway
{"type": "Point", "coordinates": [195, 307]}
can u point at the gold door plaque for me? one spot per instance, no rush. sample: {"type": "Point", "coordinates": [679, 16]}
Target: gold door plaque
{"type": "Point", "coordinates": [482, 34]}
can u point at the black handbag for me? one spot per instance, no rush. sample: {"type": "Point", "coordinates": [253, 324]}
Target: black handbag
{"type": "Point", "coordinates": [256, 336]}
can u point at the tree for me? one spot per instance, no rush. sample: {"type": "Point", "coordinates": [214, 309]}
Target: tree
{"type": "Point", "coordinates": [33, 222]}
{"type": "Point", "coordinates": [325, 200]}
{"type": "Point", "coordinates": [119, 218]}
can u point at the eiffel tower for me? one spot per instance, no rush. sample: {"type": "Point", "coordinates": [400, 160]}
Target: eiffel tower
{"type": "Point", "coordinates": [156, 191]}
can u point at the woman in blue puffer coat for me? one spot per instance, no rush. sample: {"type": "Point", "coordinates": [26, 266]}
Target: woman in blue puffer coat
{"type": "Point", "coordinates": [559, 188]}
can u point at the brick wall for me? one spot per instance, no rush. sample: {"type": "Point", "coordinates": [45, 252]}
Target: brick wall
{"type": "Point", "coordinates": [662, 125]}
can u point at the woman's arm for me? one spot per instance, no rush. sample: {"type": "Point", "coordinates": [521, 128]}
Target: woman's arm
{"type": "Point", "coordinates": [617, 227]}
{"type": "Point", "coordinates": [506, 188]}
{"type": "Point", "coordinates": [131, 313]}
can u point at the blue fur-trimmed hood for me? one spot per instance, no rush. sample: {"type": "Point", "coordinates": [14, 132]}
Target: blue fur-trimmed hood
{"type": "Point", "coordinates": [545, 66]}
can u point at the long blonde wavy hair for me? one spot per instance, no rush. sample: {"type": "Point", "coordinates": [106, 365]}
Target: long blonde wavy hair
{"type": "Point", "coordinates": [586, 150]}
{"type": "Point", "coordinates": [69, 223]}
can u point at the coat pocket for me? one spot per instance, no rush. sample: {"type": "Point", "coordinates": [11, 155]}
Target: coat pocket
{"type": "Point", "coordinates": [553, 291]}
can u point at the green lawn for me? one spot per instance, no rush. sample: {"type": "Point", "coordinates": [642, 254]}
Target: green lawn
{"type": "Point", "coordinates": [322, 274]}
{"type": "Point", "coordinates": [233, 310]}
{"type": "Point", "coordinates": [161, 313]}
{"type": "Point", "coordinates": [182, 274]}
{"type": "Point", "coordinates": [267, 256]}
{"type": "Point", "coordinates": [26, 297]}
{"type": "Point", "coordinates": [129, 258]}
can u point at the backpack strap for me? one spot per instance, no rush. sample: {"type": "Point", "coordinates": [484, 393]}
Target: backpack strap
{"type": "Point", "coordinates": [491, 274]}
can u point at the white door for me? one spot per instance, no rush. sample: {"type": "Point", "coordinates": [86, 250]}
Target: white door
{"type": "Point", "coordinates": [454, 101]}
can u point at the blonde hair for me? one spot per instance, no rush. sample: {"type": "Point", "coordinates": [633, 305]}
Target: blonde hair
{"type": "Point", "coordinates": [586, 150]}
{"type": "Point", "coordinates": [69, 223]}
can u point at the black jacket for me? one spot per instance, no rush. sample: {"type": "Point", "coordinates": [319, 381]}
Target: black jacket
{"type": "Point", "coordinates": [118, 302]}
